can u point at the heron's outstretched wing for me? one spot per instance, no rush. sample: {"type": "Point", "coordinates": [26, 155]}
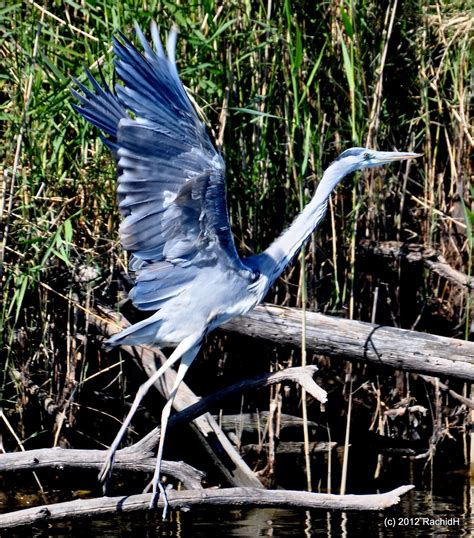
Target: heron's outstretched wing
{"type": "Point", "coordinates": [171, 179]}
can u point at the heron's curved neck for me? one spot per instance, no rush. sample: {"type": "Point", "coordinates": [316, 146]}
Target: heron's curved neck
{"type": "Point", "coordinates": [278, 255]}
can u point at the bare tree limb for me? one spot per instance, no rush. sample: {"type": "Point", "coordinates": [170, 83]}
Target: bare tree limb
{"type": "Point", "coordinates": [212, 497]}
{"type": "Point", "coordinates": [252, 422]}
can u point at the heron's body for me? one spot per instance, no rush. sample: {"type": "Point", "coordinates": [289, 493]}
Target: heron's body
{"type": "Point", "coordinates": [214, 296]}
{"type": "Point", "coordinates": [172, 196]}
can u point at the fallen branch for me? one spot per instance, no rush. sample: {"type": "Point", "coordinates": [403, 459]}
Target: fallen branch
{"type": "Point", "coordinates": [211, 497]}
{"type": "Point", "coordinates": [343, 338]}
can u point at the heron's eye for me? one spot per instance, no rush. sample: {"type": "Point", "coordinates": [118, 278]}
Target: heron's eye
{"type": "Point", "coordinates": [366, 155]}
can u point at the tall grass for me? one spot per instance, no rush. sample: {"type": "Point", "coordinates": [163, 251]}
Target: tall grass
{"type": "Point", "coordinates": [285, 86]}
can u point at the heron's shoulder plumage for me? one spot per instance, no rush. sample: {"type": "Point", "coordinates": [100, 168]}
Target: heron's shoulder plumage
{"type": "Point", "coordinates": [171, 178]}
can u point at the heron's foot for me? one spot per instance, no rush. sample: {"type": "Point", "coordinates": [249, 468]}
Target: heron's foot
{"type": "Point", "coordinates": [159, 490]}
{"type": "Point", "coordinates": [165, 501]}
{"type": "Point", "coordinates": [106, 471]}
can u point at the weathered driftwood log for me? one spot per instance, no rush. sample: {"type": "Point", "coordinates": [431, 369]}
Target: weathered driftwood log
{"type": "Point", "coordinates": [211, 497]}
{"type": "Point", "coordinates": [139, 456]}
{"type": "Point", "coordinates": [336, 337]}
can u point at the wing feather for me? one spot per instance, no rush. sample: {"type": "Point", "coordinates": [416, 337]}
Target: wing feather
{"type": "Point", "coordinates": [171, 179]}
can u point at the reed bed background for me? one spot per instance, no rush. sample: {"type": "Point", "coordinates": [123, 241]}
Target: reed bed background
{"type": "Point", "coordinates": [285, 87]}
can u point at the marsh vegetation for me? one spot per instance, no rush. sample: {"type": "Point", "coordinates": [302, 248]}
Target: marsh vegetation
{"type": "Point", "coordinates": [285, 86]}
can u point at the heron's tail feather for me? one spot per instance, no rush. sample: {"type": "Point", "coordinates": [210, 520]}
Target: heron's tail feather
{"type": "Point", "coordinates": [141, 333]}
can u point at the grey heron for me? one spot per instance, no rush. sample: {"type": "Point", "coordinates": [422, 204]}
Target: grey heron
{"type": "Point", "coordinates": [172, 197]}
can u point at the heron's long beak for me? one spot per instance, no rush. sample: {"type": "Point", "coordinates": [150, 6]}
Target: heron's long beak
{"type": "Point", "coordinates": [385, 157]}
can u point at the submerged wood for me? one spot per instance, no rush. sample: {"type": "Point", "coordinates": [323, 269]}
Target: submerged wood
{"type": "Point", "coordinates": [234, 497]}
{"type": "Point", "coordinates": [347, 339]}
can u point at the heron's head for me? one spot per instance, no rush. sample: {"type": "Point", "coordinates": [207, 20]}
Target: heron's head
{"type": "Point", "coordinates": [359, 158]}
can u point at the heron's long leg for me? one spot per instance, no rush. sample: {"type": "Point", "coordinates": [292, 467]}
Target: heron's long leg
{"type": "Point", "coordinates": [186, 361]}
{"type": "Point", "coordinates": [180, 350]}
